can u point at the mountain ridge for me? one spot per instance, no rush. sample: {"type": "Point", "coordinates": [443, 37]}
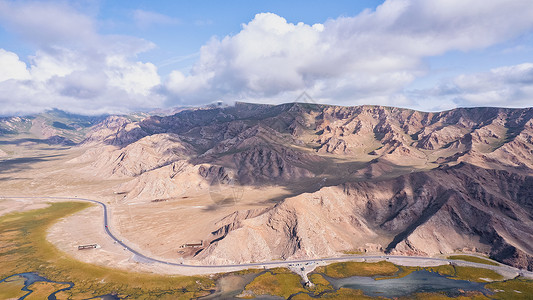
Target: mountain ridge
{"type": "Point", "coordinates": [361, 178]}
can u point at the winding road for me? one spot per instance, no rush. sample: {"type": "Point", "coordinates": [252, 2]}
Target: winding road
{"type": "Point", "coordinates": [501, 267]}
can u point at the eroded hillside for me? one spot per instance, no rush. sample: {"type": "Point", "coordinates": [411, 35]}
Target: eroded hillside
{"type": "Point", "coordinates": [262, 182]}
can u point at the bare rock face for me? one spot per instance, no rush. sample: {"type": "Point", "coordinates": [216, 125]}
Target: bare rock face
{"type": "Point", "coordinates": [371, 178]}
{"type": "Point", "coordinates": [441, 211]}
{"type": "Point", "coordinates": [266, 163]}
{"type": "Point", "coordinates": [107, 130]}
{"type": "Point", "coordinates": [146, 154]}
{"type": "Point", "coordinates": [176, 179]}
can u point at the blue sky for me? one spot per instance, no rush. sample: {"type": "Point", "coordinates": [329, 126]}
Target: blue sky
{"type": "Point", "coordinates": [119, 56]}
{"type": "Point", "coordinates": [198, 21]}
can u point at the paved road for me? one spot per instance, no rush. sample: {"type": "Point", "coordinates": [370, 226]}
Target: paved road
{"type": "Point", "coordinates": [148, 259]}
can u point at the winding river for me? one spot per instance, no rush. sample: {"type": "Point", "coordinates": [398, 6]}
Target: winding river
{"type": "Point", "coordinates": [31, 278]}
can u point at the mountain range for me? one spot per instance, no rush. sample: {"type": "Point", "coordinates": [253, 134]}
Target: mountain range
{"type": "Point", "coordinates": [355, 179]}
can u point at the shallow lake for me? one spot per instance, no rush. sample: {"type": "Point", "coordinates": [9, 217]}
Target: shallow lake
{"type": "Point", "coordinates": [416, 282]}
{"type": "Point", "coordinates": [229, 286]}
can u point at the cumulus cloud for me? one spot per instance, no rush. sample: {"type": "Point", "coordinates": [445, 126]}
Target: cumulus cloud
{"type": "Point", "coordinates": [368, 58]}
{"type": "Point", "coordinates": [12, 67]}
{"type": "Point", "coordinates": [118, 87]}
{"type": "Point", "coordinates": [509, 86]}
{"type": "Point", "coordinates": [75, 68]}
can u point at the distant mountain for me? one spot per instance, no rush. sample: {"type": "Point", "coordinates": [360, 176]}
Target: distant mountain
{"type": "Point", "coordinates": [369, 178]}
{"type": "Point", "coordinates": [53, 126]}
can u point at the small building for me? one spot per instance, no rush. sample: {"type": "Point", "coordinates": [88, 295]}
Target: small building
{"type": "Point", "coordinates": [193, 245]}
{"type": "Point", "coordinates": [90, 246]}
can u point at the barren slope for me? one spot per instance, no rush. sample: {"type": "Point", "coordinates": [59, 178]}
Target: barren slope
{"type": "Point", "coordinates": [303, 180]}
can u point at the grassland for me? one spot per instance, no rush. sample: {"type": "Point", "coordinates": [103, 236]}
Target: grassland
{"type": "Point", "coordinates": [241, 272]}
{"type": "Point", "coordinates": [474, 259]}
{"type": "Point", "coordinates": [11, 288]}
{"type": "Point", "coordinates": [278, 282]}
{"type": "Point", "coordinates": [41, 290]}
{"type": "Point", "coordinates": [518, 288]}
{"type": "Point", "coordinates": [341, 294]}
{"type": "Point", "coordinates": [476, 274]}
{"type": "Point", "coordinates": [445, 270]}
{"type": "Point", "coordinates": [348, 269]}
{"type": "Point", "coordinates": [320, 283]}
{"type": "Point", "coordinates": [25, 249]}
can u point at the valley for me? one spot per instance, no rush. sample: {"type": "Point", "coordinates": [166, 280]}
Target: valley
{"type": "Point", "coordinates": [253, 185]}
{"type": "Point", "coordinates": [266, 150]}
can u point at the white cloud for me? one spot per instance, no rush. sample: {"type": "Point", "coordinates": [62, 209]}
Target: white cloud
{"type": "Point", "coordinates": [116, 85]}
{"type": "Point", "coordinates": [11, 67]}
{"type": "Point", "coordinates": [61, 62]}
{"type": "Point", "coordinates": [509, 86]}
{"type": "Point", "coordinates": [75, 68]}
{"type": "Point", "coordinates": [368, 58]}
{"type": "Point", "coordinates": [138, 77]}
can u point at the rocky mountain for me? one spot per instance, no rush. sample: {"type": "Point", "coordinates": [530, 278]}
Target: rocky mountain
{"type": "Point", "coordinates": [363, 178]}
{"type": "Point", "coordinates": [422, 213]}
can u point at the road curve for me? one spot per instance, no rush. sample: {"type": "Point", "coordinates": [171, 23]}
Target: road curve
{"type": "Point", "coordinates": [502, 267]}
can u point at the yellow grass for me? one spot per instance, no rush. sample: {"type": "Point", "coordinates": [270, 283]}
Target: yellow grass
{"type": "Point", "coordinates": [348, 269]}
{"type": "Point", "coordinates": [29, 251]}
{"type": "Point", "coordinates": [320, 283]}
{"type": "Point", "coordinates": [277, 283]}
{"type": "Point", "coordinates": [475, 259]}
{"type": "Point", "coordinates": [12, 288]}
{"type": "Point", "coordinates": [41, 290]}
{"type": "Point", "coordinates": [476, 274]}
{"type": "Point", "coordinates": [341, 294]}
{"type": "Point", "coordinates": [512, 289]}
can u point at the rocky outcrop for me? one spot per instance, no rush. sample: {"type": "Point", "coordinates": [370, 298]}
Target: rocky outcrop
{"type": "Point", "coordinates": [149, 153]}
{"type": "Point", "coordinates": [441, 211]}
{"type": "Point", "coordinates": [174, 180]}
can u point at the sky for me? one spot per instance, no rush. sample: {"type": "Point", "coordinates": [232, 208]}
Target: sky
{"type": "Point", "coordinates": [94, 57]}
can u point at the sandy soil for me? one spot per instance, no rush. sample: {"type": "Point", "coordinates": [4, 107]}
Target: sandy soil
{"type": "Point", "coordinates": [8, 205]}
{"type": "Point", "coordinates": [160, 228]}
{"type": "Point", "coordinates": [86, 227]}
